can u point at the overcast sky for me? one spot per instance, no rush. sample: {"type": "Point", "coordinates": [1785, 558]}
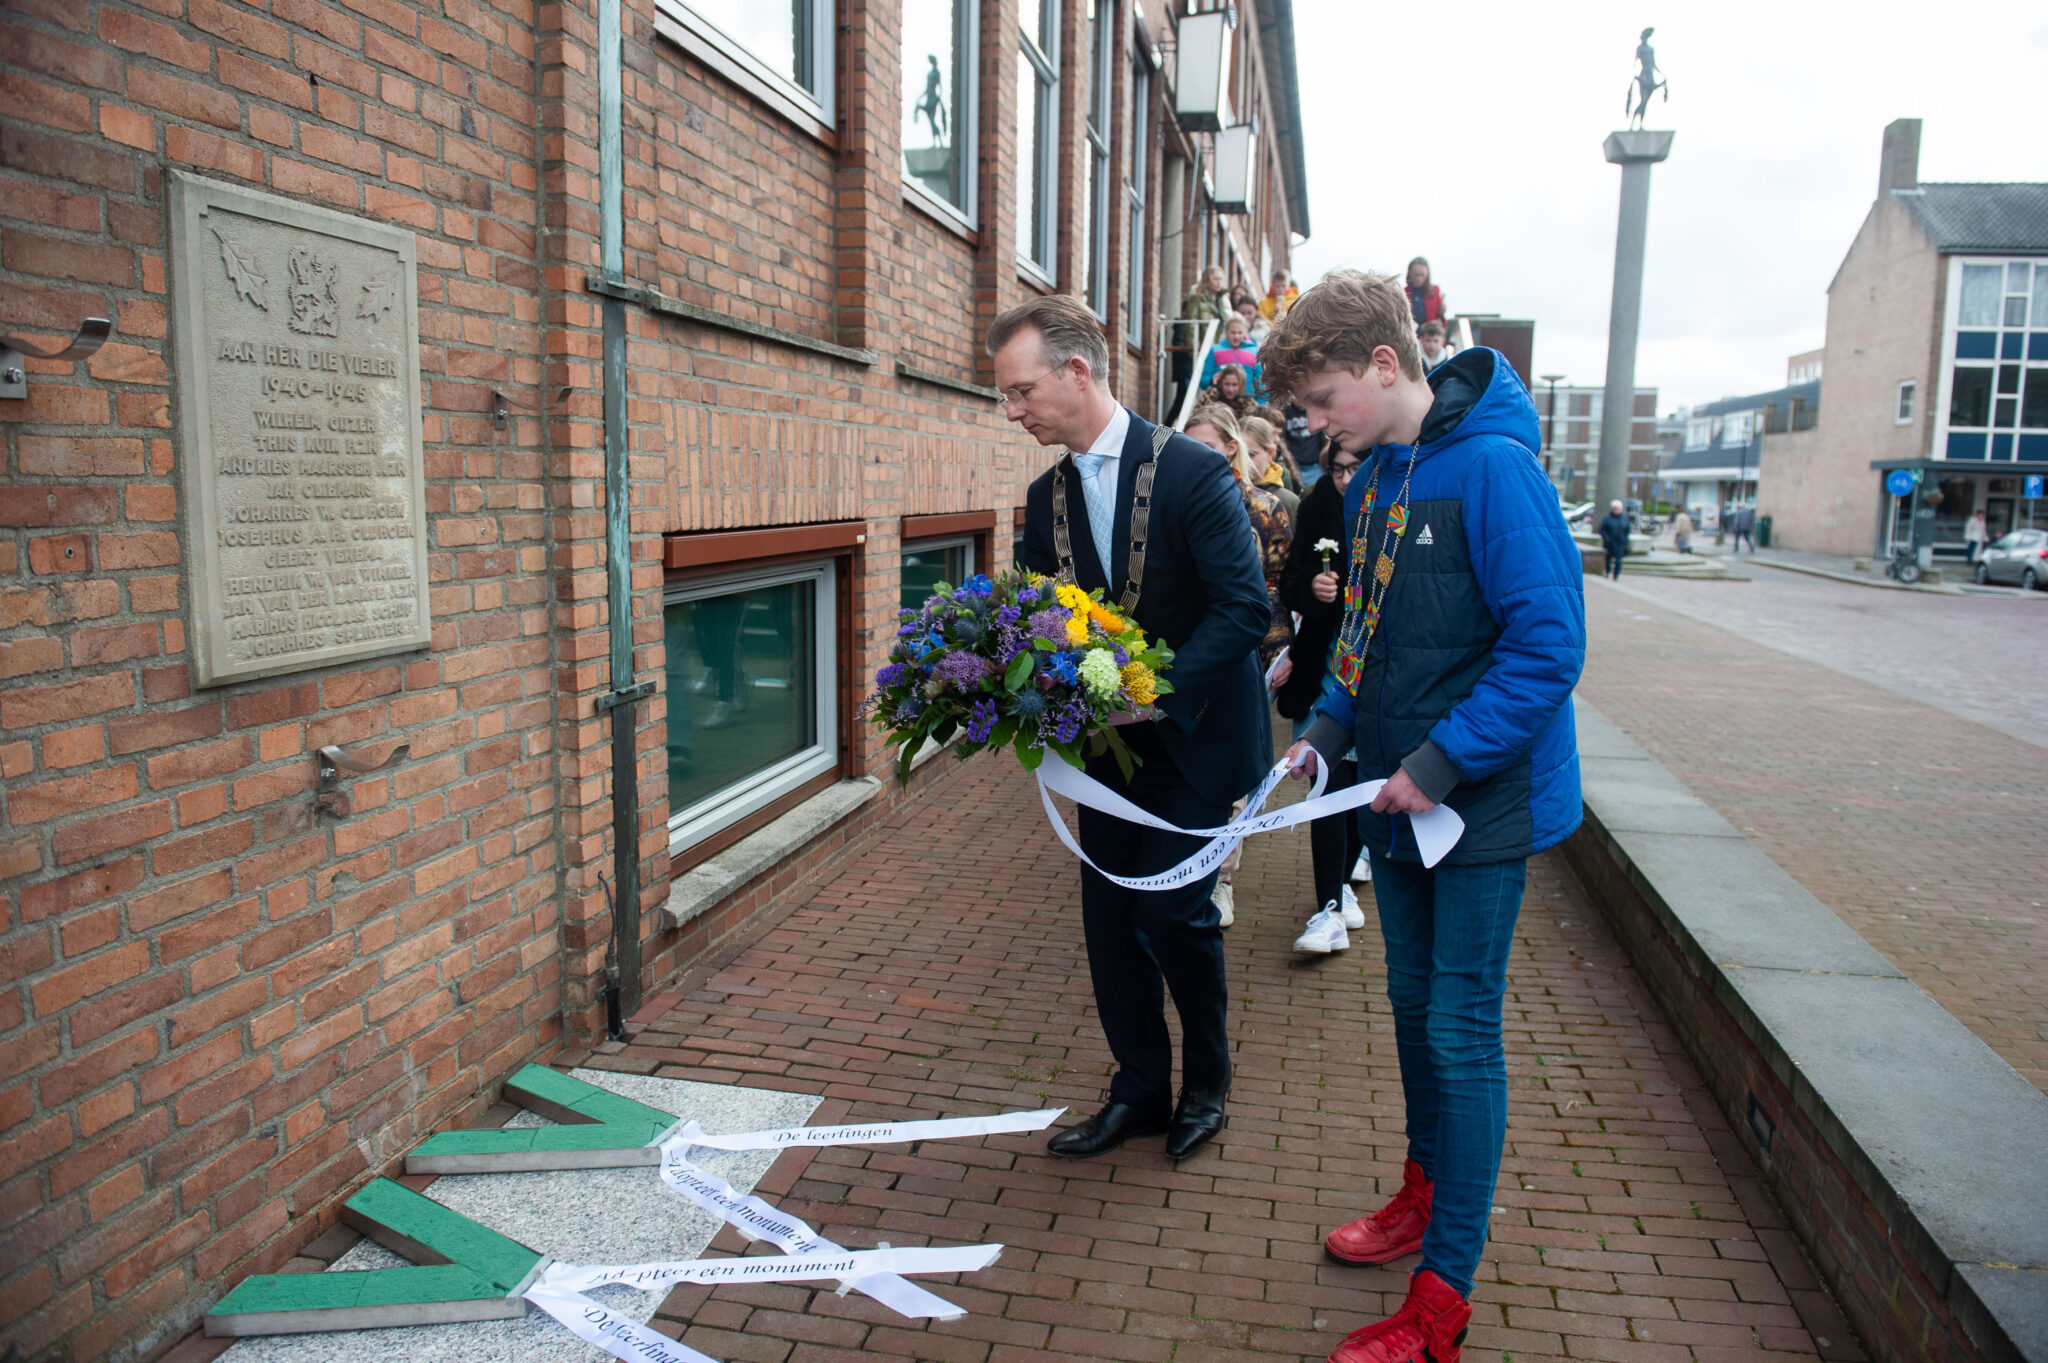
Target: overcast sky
{"type": "Point", "coordinates": [1470, 133]}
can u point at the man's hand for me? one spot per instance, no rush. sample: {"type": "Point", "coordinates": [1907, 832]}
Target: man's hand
{"type": "Point", "coordinates": [1282, 670]}
{"type": "Point", "coordinates": [1401, 796]}
{"type": "Point", "coordinates": [1125, 717]}
{"type": "Point", "coordinates": [1302, 758]}
{"type": "Point", "coordinates": [1324, 585]}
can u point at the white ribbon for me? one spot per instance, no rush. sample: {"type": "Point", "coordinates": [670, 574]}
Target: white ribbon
{"type": "Point", "coordinates": [885, 1133]}
{"type": "Point", "coordinates": [850, 1266]}
{"type": "Point", "coordinates": [618, 1335]}
{"type": "Point", "coordinates": [1436, 832]}
{"type": "Point", "coordinates": [757, 1220]}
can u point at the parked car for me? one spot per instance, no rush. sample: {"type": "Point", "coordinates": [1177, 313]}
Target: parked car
{"type": "Point", "coordinates": [2020, 558]}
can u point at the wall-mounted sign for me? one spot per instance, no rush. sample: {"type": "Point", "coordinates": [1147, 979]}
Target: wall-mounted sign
{"type": "Point", "coordinates": [298, 385]}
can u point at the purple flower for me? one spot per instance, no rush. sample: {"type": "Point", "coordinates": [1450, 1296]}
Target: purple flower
{"type": "Point", "coordinates": [890, 675]}
{"type": "Point", "coordinates": [980, 721]}
{"type": "Point", "coordinates": [1065, 722]}
{"type": "Point", "coordinates": [1027, 596]}
{"type": "Point", "coordinates": [1010, 641]}
{"type": "Point", "coordinates": [961, 671]}
{"type": "Point", "coordinates": [1008, 615]}
{"type": "Point", "coordinates": [1051, 624]}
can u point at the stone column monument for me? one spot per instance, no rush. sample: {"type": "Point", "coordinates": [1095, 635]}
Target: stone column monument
{"type": "Point", "coordinates": [1635, 151]}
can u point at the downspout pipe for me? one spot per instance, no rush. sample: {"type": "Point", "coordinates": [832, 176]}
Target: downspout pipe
{"type": "Point", "coordinates": [622, 989]}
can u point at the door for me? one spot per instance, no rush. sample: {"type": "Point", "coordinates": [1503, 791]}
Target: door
{"type": "Point", "coordinates": [1997, 516]}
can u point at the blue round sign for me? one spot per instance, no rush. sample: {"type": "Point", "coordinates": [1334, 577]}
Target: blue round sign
{"type": "Point", "coordinates": [1899, 482]}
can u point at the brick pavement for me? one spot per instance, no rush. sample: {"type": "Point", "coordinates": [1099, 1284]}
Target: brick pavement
{"type": "Point", "coordinates": [941, 973]}
{"type": "Point", "coordinates": [1921, 829]}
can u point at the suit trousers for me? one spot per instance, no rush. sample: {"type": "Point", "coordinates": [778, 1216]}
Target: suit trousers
{"type": "Point", "coordinates": [1142, 944]}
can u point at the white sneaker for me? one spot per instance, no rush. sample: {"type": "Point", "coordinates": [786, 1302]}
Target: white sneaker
{"type": "Point", "coordinates": [1354, 917]}
{"type": "Point", "coordinates": [1361, 870]}
{"type": "Point", "coordinates": [1325, 932]}
{"type": "Point", "coordinates": [1223, 897]}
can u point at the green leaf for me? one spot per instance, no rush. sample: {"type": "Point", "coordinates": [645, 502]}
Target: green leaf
{"type": "Point", "coordinates": [1001, 735]}
{"type": "Point", "coordinates": [903, 763]}
{"type": "Point", "coordinates": [1019, 673]}
{"type": "Point", "coordinates": [1029, 755]}
{"type": "Point", "coordinates": [1045, 645]}
{"type": "Point", "coordinates": [1070, 756]}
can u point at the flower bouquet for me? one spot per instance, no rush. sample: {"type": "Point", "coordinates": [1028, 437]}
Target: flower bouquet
{"type": "Point", "coordinates": [1020, 661]}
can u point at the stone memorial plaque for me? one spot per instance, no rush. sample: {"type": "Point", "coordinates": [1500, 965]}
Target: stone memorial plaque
{"type": "Point", "coordinates": [297, 374]}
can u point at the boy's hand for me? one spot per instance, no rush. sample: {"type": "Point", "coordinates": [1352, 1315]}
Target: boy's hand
{"type": "Point", "coordinates": [1302, 759]}
{"type": "Point", "coordinates": [1401, 796]}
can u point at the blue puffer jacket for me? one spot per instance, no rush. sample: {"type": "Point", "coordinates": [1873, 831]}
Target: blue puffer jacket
{"type": "Point", "coordinates": [1467, 684]}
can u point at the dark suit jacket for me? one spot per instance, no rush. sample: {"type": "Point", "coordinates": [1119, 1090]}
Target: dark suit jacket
{"type": "Point", "coordinates": [1204, 594]}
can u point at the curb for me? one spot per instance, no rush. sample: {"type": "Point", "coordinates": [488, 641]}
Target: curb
{"type": "Point", "coordinates": [1906, 1153]}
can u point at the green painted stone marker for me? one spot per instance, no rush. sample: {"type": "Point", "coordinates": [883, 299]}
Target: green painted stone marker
{"type": "Point", "coordinates": [465, 1271]}
{"type": "Point", "coordinates": [600, 1130]}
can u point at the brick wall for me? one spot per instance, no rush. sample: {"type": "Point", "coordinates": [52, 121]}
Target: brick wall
{"type": "Point", "coordinates": [219, 1010]}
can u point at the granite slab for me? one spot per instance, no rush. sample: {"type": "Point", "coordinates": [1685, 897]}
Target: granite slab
{"type": "Point", "coordinates": [583, 1216]}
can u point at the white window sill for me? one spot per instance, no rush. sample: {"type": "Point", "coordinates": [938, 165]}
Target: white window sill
{"type": "Point", "coordinates": [704, 885]}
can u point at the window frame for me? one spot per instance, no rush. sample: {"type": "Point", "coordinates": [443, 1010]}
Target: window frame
{"type": "Point", "coordinates": [815, 101]}
{"type": "Point", "coordinates": [968, 540]}
{"type": "Point", "coordinates": [692, 827]}
{"type": "Point", "coordinates": [1137, 166]}
{"type": "Point", "coordinates": [1041, 54]}
{"type": "Point", "coordinates": [1904, 396]}
{"type": "Point", "coordinates": [1095, 131]}
{"type": "Point", "coordinates": [966, 127]}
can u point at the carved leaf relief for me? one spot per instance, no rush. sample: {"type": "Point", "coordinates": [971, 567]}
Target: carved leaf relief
{"type": "Point", "coordinates": [241, 273]}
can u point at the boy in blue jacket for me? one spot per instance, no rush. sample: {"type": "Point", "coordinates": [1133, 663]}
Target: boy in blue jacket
{"type": "Point", "coordinates": [1463, 635]}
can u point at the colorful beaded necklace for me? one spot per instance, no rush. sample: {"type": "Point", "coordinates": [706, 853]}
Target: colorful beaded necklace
{"type": "Point", "coordinates": [1354, 636]}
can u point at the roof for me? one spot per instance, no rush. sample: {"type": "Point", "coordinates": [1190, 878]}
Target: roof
{"type": "Point", "coordinates": [1276, 43]}
{"type": "Point", "coordinates": [1980, 217]}
{"type": "Point", "coordinates": [1714, 459]}
{"type": "Point", "coordinates": [1806, 392]}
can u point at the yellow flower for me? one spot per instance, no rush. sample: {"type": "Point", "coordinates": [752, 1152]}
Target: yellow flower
{"type": "Point", "coordinates": [1072, 597]}
{"type": "Point", "coordinates": [1077, 630]}
{"type": "Point", "coordinates": [1138, 682]}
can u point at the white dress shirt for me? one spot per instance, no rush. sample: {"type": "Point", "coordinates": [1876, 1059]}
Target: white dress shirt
{"type": "Point", "coordinates": [1110, 445]}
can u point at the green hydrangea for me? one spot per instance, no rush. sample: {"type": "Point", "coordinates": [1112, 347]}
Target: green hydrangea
{"type": "Point", "coordinates": [1100, 674]}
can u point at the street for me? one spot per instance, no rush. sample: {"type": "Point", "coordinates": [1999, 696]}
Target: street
{"type": "Point", "coordinates": [1982, 656]}
{"type": "Point", "coordinates": [1826, 721]}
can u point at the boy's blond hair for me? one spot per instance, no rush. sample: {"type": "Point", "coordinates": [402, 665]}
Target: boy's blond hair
{"type": "Point", "coordinates": [1337, 325]}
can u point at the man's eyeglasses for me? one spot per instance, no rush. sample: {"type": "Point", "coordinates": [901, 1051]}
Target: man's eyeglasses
{"type": "Point", "coordinates": [1021, 394]}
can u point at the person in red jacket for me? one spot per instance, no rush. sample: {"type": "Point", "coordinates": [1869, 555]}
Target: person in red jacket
{"type": "Point", "coordinates": [1425, 300]}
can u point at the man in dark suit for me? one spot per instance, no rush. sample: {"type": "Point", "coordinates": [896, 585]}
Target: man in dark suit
{"type": "Point", "coordinates": [1201, 589]}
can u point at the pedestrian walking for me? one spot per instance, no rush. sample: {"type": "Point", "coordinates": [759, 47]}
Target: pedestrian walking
{"type": "Point", "coordinates": [1742, 525]}
{"type": "Point", "coordinates": [1975, 535]}
{"type": "Point", "coordinates": [1311, 587]}
{"type": "Point", "coordinates": [1462, 637]}
{"type": "Point", "coordinates": [1425, 299]}
{"type": "Point", "coordinates": [1614, 537]}
{"type": "Point", "coordinates": [1201, 590]}
{"type": "Point", "coordinates": [1681, 533]}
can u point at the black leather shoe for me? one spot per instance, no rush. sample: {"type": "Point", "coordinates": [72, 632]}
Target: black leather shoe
{"type": "Point", "coordinates": [1107, 1129]}
{"type": "Point", "coordinates": [1196, 1119]}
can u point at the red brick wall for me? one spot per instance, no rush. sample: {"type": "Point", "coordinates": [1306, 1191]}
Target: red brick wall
{"type": "Point", "coordinates": [219, 1011]}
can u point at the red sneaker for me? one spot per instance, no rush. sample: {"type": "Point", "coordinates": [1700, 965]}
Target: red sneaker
{"type": "Point", "coordinates": [1392, 1231]}
{"type": "Point", "coordinates": [1429, 1328]}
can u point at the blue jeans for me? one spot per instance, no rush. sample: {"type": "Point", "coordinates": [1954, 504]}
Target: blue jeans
{"type": "Point", "coordinates": [1447, 934]}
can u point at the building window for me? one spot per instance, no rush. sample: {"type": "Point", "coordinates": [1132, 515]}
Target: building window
{"type": "Point", "coordinates": [2034, 409]}
{"type": "Point", "coordinates": [1038, 88]}
{"type": "Point", "coordinates": [1735, 430]}
{"type": "Point", "coordinates": [1969, 402]}
{"type": "Point", "coordinates": [788, 44]}
{"type": "Point", "coordinates": [1093, 266]}
{"type": "Point", "coordinates": [752, 692]}
{"type": "Point", "coordinates": [930, 562]}
{"type": "Point", "coordinates": [939, 42]}
{"type": "Point", "coordinates": [1981, 292]}
{"type": "Point", "coordinates": [1137, 143]}
{"type": "Point", "coordinates": [1903, 408]}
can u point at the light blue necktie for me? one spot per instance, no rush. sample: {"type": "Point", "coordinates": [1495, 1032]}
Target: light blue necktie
{"type": "Point", "coordinates": [1101, 520]}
